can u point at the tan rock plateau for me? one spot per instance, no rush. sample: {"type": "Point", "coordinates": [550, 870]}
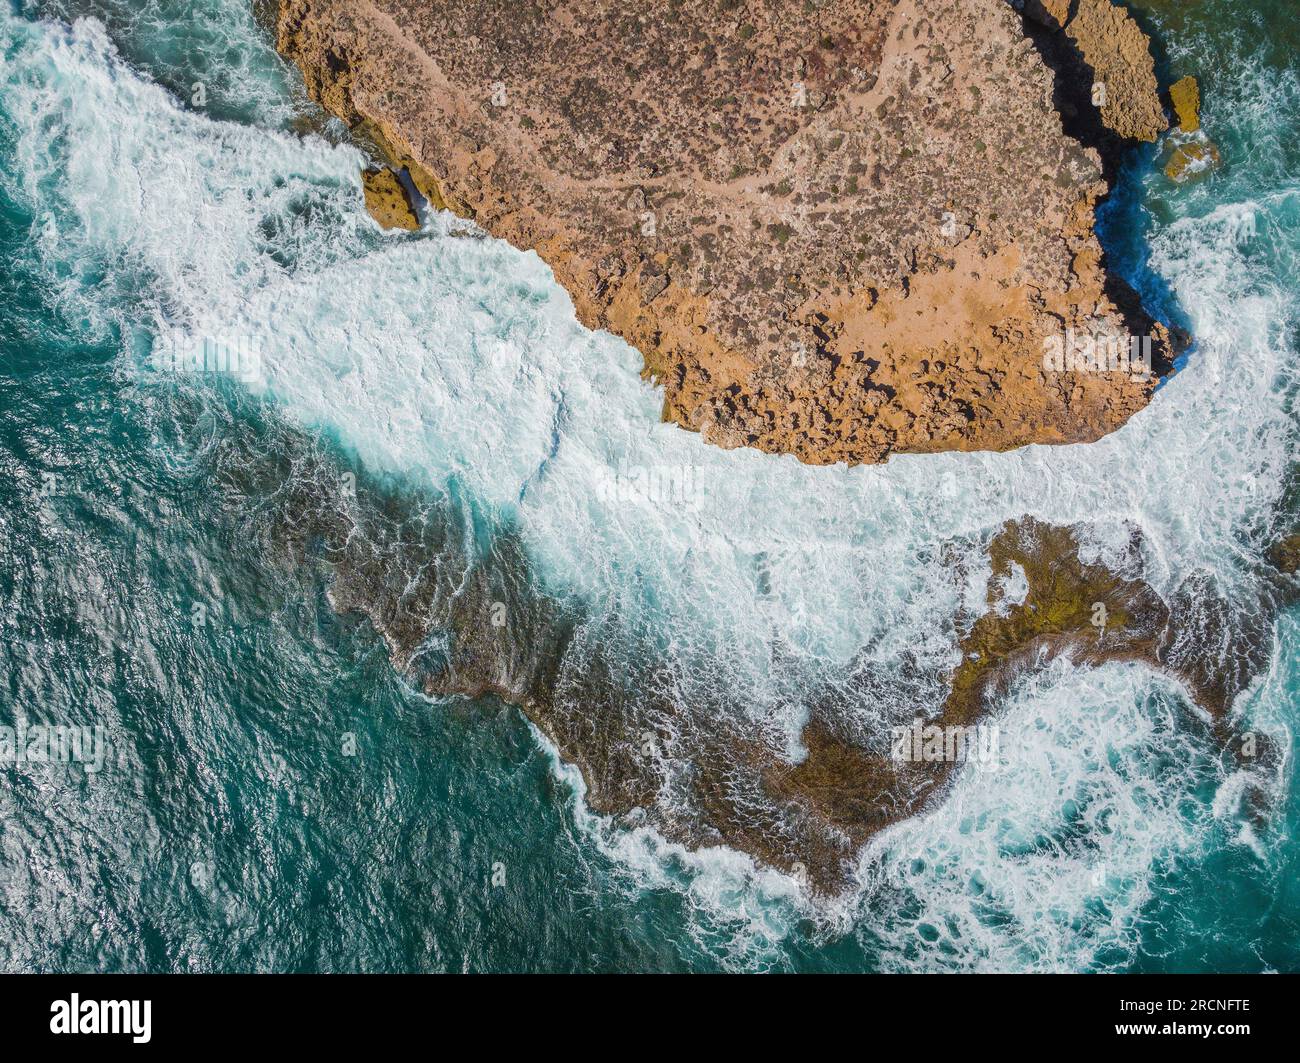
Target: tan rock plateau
{"type": "Point", "coordinates": [838, 230]}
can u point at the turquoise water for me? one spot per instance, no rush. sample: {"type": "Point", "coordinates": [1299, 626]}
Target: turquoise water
{"type": "Point", "coordinates": [274, 796]}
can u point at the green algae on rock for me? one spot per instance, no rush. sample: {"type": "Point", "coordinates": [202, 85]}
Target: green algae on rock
{"type": "Point", "coordinates": [699, 768]}
{"type": "Point", "coordinates": [1084, 609]}
{"type": "Point", "coordinates": [1095, 612]}
{"type": "Point", "coordinates": [387, 200]}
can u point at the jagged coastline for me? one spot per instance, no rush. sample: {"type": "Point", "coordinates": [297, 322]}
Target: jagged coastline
{"type": "Point", "coordinates": [462, 622]}
{"type": "Point", "coordinates": [916, 345]}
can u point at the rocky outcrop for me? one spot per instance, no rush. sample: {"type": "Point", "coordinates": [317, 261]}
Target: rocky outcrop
{"type": "Point", "coordinates": [657, 747]}
{"type": "Point", "coordinates": [1094, 612]}
{"type": "Point", "coordinates": [1285, 555]}
{"type": "Point", "coordinates": [1193, 154]}
{"type": "Point", "coordinates": [1115, 66]}
{"type": "Point", "coordinates": [1185, 95]}
{"type": "Point", "coordinates": [387, 200]}
{"type": "Point", "coordinates": [839, 231]}
{"type": "Point", "coordinates": [1192, 159]}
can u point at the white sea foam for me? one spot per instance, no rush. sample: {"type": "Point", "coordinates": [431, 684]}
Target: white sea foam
{"type": "Point", "coordinates": [741, 912]}
{"type": "Point", "coordinates": [439, 358]}
{"type": "Point", "coordinates": [1047, 864]}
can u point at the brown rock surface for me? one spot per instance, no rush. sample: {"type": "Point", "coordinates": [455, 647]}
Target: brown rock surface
{"type": "Point", "coordinates": [1116, 55]}
{"type": "Point", "coordinates": [699, 767]}
{"type": "Point", "coordinates": [1194, 154]}
{"type": "Point", "coordinates": [1196, 158]}
{"type": "Point", "coordinates": [1186, 98]}
{"type": "Point", "coordinates": [838, 230]}
{"type": "Point", "coordinates": [1285, 555]}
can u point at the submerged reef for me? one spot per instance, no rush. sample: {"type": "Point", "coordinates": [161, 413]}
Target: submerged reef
{"type": "Point", "coordinates": [671, 744]}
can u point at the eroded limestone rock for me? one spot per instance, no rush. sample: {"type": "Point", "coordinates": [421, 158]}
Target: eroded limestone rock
{"type": "Point", "coordinates": [1194, 154]}
{"type": "Point", "coordinates": [1118, 56]}
{"type": "Point", "coordinates": [839, 230]}
{"type": "Point", "coordinates": [675, 751]}
{"type": "Point", "coordinates": [1192, 159]}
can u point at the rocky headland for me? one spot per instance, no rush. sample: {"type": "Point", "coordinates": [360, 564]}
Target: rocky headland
{"type": "Point", "coordinates": [838, 230]}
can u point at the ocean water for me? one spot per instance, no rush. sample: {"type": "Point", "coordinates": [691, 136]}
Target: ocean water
{"type": "Point", "coordinates": [274, 796]}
